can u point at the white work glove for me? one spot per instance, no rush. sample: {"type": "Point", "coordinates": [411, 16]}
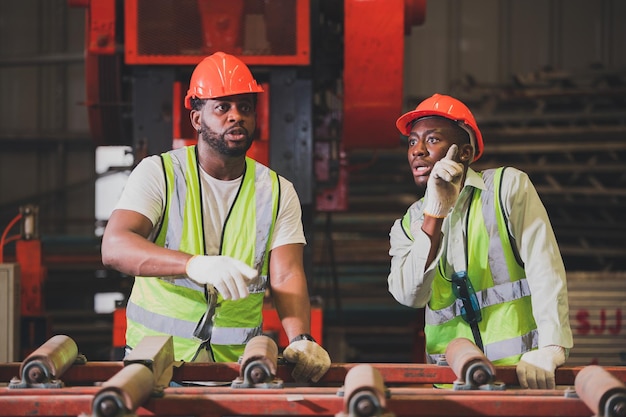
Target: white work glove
{"type": "Point", "coordinates": [311, 360]}
{"type": "Point", "coordinates": [444, 185]}
{"type": "Point", "coordinates": [536, 368]}
{"type": "Point", "coordinates": [229, 276]}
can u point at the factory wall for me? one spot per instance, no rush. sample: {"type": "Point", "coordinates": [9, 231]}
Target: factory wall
{"type": "Point", "coordinates": [48, 158]}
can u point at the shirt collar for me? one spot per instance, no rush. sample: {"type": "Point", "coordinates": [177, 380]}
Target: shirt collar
{"type": "Point", "coordinates": [473, 179]}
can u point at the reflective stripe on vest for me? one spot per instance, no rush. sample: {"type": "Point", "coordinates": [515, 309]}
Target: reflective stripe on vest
{"type": "Point", "coordinates": [497, 259]}
{"type": "Point", "coordinates": [500, 351]}
{"type": "Point", "coordinates": [174, 306]}
{"type": "Point", "coordinates": [486, 298]}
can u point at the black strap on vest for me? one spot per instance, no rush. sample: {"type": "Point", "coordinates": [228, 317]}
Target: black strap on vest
{"type": "Point", "coordinates": [464, 291]}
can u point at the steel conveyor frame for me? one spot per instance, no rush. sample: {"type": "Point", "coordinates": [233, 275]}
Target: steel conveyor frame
{"type": "Point", "coordinates": [410, 393]}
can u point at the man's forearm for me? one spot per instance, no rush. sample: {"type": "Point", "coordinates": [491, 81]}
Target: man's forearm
{"type": "Point", "coordinates": [410, 276]}
{"type": "Point", "coordinates": [295, 314]}
{"type": "Point", "coordinates": [432, 228]}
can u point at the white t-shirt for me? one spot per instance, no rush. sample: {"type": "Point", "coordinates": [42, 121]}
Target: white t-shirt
{"type": "Point", "coordinates": [144, 193]}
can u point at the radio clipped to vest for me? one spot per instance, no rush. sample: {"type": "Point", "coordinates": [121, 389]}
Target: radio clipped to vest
{"type": "Point", "coordinates": [470, 309]}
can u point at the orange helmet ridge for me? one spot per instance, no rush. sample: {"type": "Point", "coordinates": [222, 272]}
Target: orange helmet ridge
{"type": "Point", "coordinates": [220, 75]}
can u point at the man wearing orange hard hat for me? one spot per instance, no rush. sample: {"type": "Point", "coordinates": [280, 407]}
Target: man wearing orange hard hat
{"type": "Point", "coordinates": [477, 250]}
{"type": "Point", "coordinates": [196, 227]}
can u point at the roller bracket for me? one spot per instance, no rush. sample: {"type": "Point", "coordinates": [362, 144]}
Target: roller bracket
{"type": "Point", "coordinates": [441, 361]}
{"type": "Point", "coordinates": [570, 392]}
{"type": "Point", "coordinates": [258, 365]}
{"type": "Point", "coordinates": [478, 376]}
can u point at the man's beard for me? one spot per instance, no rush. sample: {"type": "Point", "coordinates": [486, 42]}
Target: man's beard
{"type": "Point", "coordinates": [218, 143]}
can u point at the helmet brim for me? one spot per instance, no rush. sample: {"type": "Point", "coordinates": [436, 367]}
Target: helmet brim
{"type": "Point", "coordinates": [405, 122]}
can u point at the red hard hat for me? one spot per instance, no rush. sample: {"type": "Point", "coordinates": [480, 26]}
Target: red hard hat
{"type": "Point", "coordinates": [450, 108]}
{"type": "Point", "coordinates": [220, 75]}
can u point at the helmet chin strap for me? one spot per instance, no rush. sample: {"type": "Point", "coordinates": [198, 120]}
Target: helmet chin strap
{"type": "Point", "coordinates": [472, 138]}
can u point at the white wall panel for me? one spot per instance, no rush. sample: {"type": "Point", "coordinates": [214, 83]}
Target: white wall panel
{"type": "Point", "coordinates": [476, 46]}
{"type": "Point", "coordinates": [18, 101]}
{"type": "Point", "coordinates": [529, 48]}
{"type": "Point", "coordinates": [582, 35]}
{"type": "Point", "coordinates": [76, 116]}
{"type": "Point", "coordinates": [617, 34]}
{"type": "Point", "coordinates": [492, 40]}
{"type": "Point", "coordinates": [47, 156]}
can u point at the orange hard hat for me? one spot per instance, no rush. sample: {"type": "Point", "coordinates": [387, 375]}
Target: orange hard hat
{"type": "Point", "coordinates": [450, 108]}
{"type": "Point", "coordinates": [220, 75]}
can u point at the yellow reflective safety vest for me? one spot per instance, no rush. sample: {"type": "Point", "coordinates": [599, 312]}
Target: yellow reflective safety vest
{"type": "Point", "coordinates": [507, 328]}
{"type": "Point", "coordinates": [167, 306]}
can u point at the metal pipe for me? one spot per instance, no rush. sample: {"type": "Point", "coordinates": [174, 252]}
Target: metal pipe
{"type": "Point", "coordinates": [51, 59]}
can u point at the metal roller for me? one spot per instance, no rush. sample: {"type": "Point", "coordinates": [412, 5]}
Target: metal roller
{"type": "Point", "coordinates": [258, 365]}
{"type": "Point", "coordinates": [604, 394]}
{"type": "Point", "coordinates": [123, 393]}
{"type": "Point", "coordinates": [364, 392]}
{"type": "Point", "coordinates": [43, 367]}
{"type": "Point", "coordinates": [471, 366]}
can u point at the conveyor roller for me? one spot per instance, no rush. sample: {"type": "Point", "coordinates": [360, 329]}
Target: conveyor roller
{"type": "Point", "coordinates": [258, 365]}
{"type": "Point", "coordinates": [364, 393]}
{"type": "Point", "coordinates": [125, 392]}
{"type": "Point", "coordinates": [43, 367]}
{"type": "Point", "coordinates": [471, 366]}
{"type": "Point", "coordinates": [604, 394]}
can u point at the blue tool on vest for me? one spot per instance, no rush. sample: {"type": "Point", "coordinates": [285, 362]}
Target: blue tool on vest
{"type": "Point", "coordinates": [470, 310]}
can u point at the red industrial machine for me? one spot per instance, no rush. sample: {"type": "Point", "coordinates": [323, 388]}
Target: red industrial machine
{"type": "Point", "coordinates": [332, 72]}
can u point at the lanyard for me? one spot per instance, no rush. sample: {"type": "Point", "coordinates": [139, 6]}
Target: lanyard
{"type": "Point", "coordinates": [464, 291]}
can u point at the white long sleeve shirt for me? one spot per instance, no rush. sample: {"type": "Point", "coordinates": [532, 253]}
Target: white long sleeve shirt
{"type": "Point", "coordinates": [410, 278]}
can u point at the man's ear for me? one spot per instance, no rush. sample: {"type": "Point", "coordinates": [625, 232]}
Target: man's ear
{"type": "Point", "coordinates": [195, 117]}
{"type": "Point", "coordinates": [466, 153]}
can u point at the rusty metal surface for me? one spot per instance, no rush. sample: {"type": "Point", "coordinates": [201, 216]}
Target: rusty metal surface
{"type": "Point", "coordinates": [392, 373]}
{"type": "Point", "coordinates": [418, 402]}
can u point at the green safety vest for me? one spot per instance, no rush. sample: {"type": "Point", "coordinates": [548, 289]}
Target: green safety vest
{"type": "Point", "coordinates": [166, 306]}
{"type": "Point", "coordinates": [508, 328]}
